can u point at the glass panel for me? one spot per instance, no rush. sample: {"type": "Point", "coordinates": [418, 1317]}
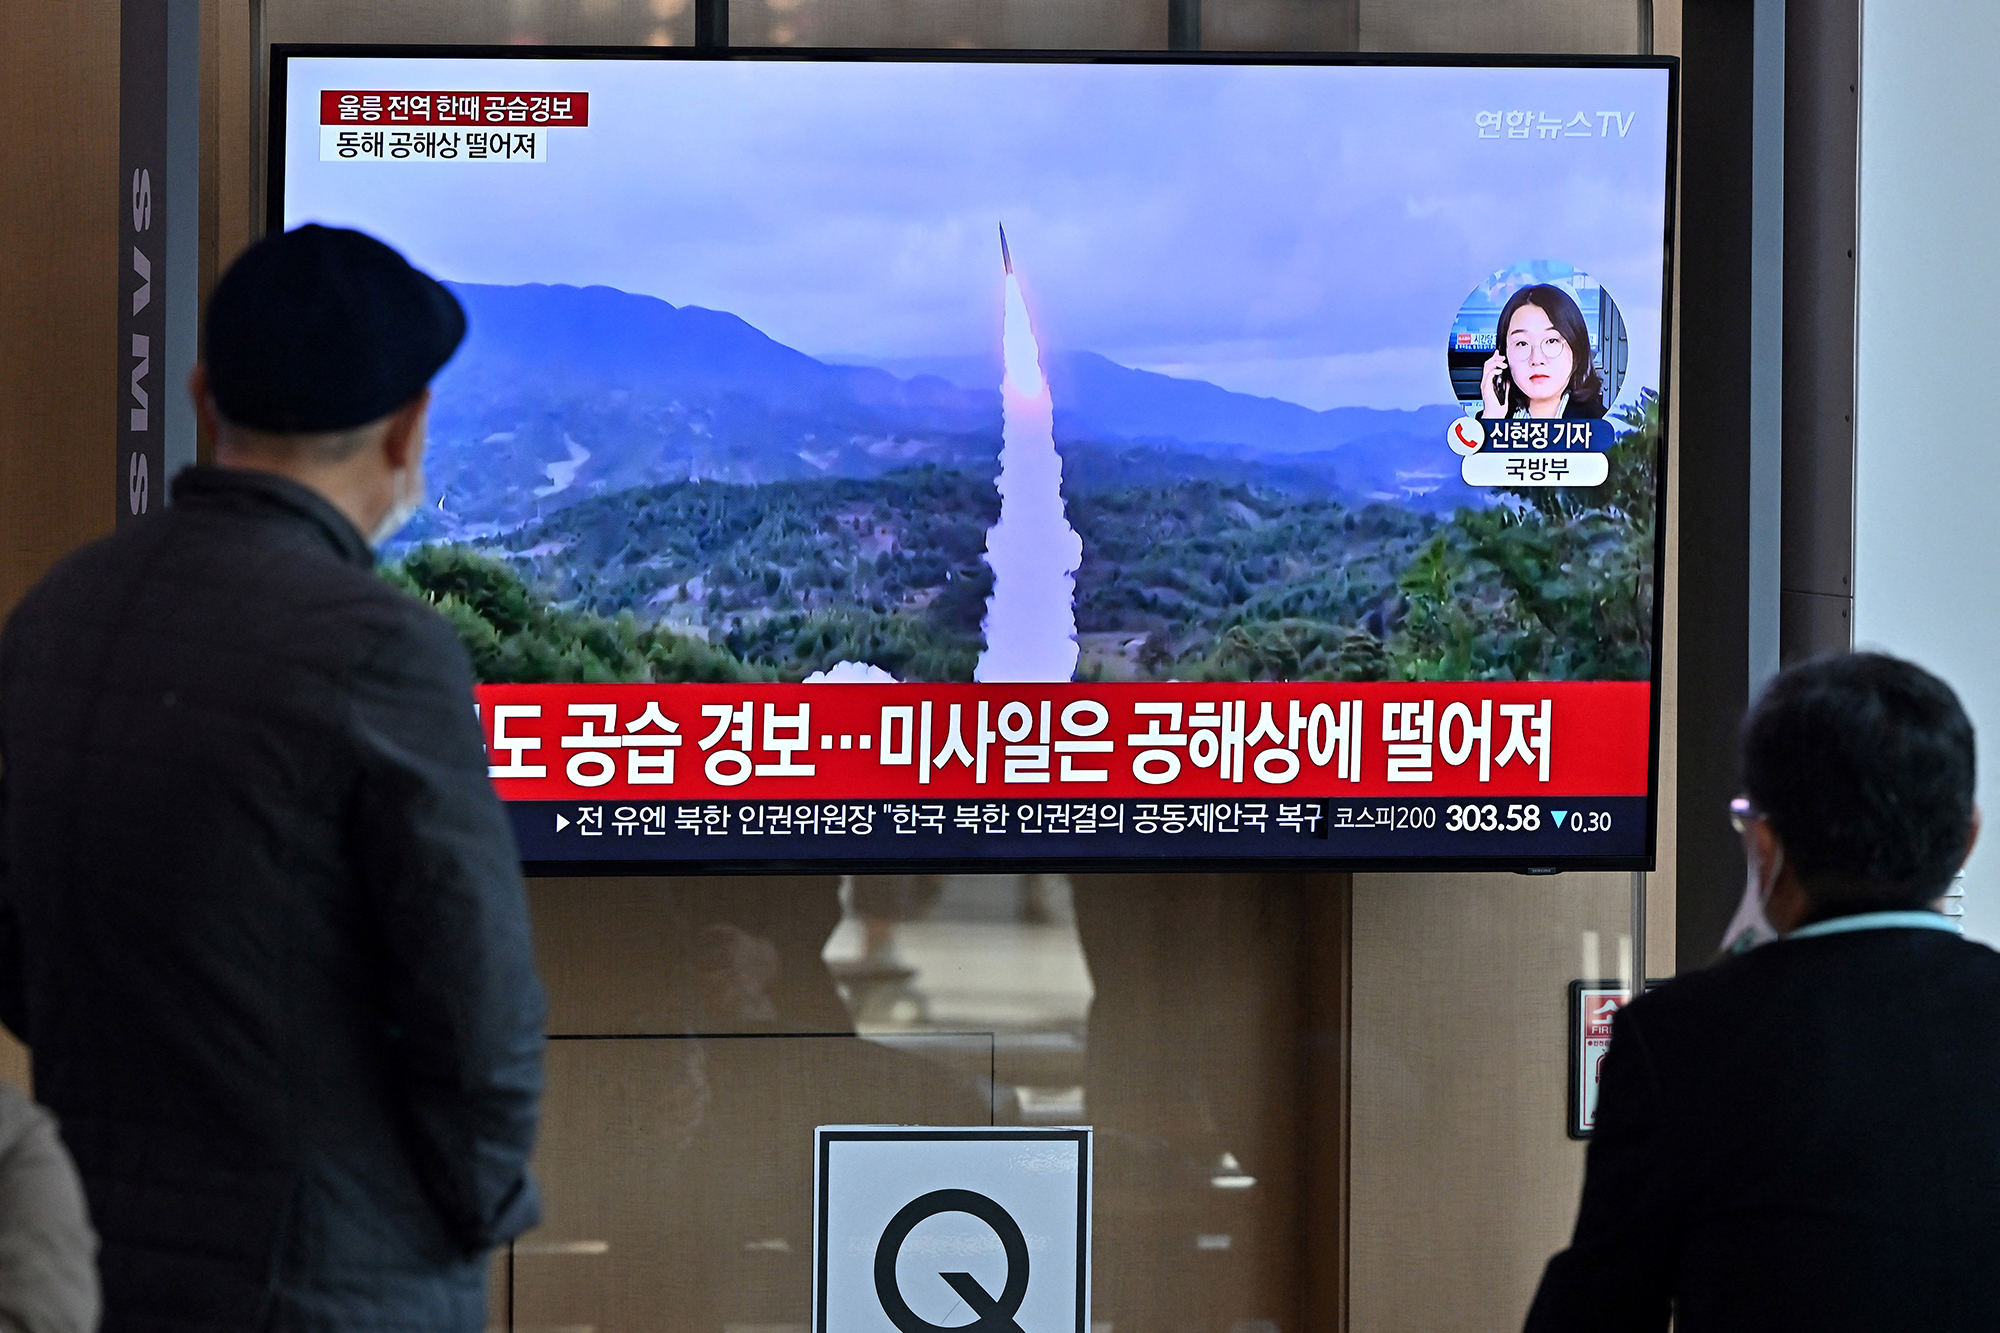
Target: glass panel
{"type": "Point", "coordinates": [1134, 25]}
{"type": "Point", "coordinates": [1577, 27]}
{"type": "Point", "coordinates": [677, 1172]}
{"type": "Point", "coordinates": [495, 22]}
{"type": "Point", "coordinates": [928, 953]}
{"type": "Point", "coordinates": [1192, 1077]}
{"type": "Point", "coordinates": [703, 1027]}
{"type": "Point", "coordinates": [1464, 1178]}
{"type": "Point", "coordinates": [1143, 1007]}
{"type": "Point", "coordinates": [1279, 25]}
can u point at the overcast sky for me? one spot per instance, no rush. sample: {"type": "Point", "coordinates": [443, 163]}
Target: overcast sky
{"type": "Point", "coordinates": [1302, 232]}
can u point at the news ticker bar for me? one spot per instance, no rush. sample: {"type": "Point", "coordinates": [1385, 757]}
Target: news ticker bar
{"type": "Point", "coordinates": [1296, 829]}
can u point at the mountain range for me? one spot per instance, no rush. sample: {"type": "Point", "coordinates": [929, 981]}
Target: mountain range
{"type": "Point", "coordinates": [563, 393]}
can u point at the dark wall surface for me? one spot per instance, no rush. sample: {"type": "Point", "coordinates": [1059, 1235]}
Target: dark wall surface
{"type": "Point", "coordinates": [1822, 123]}
{"type": "Point", "coordinates": [1712, 399]}
{"type": "Point", "coordinates": [1712, 382]}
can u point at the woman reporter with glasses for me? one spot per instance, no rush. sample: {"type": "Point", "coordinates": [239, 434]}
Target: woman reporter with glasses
{"type": "Point", "coordinates": [1541, 366]}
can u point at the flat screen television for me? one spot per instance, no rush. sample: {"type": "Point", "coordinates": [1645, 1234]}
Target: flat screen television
{"type": "Point", "coordinates": [897, 460]}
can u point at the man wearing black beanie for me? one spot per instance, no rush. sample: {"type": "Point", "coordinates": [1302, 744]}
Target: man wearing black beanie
{"type": "Point", "coordinates": [261, 916]}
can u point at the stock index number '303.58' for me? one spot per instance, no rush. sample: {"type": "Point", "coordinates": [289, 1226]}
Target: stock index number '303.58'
{"type": "Point", "coordinates": [1521, 817]}
{"type": "Point", "coordinates": [1492, 818]}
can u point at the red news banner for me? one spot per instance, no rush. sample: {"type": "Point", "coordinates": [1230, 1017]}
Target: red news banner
{"type": "Point", "coordinates": [905, 742]}
{"type": "Point", "coordinates": [381, 107]}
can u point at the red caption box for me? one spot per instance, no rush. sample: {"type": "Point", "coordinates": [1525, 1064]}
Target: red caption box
{"type": "Point", "coordinates": [846, 742]}
{"type": "Point", "coordinates": [355, 107]}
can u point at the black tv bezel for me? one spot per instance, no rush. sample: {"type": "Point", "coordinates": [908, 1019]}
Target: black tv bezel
{"type": "Point", "coordinates": [277, 83]}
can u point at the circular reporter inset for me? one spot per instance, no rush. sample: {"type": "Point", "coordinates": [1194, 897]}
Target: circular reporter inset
{"type": "Point", "coordinates": [1562, 352]}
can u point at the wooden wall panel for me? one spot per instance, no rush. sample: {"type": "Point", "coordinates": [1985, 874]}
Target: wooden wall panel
{"type": "Point", "coordinates": [1463, 1177]}
{"type": "Point", "coordinates": [232, 204]}
{"type": "Point", "coordinates": [1216, 1025]}
{"type": "Point", "coordinates": [58, 286]}
{"type": "Point", "coordinates": [230, 213]}
{"type": "Point", "coordinates": [59, 281]}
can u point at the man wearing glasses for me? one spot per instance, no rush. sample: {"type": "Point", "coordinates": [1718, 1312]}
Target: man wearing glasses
{"type": "Point", "coordinates": [1807, 1136]}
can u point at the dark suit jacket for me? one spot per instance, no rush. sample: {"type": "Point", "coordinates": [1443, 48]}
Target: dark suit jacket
{"type": "Point", "coordinates": [1806, 1137]}
{"type": "Point", "coordinates": [262, 923]}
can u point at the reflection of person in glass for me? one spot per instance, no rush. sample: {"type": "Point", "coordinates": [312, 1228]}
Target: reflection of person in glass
{"type": "Point", "coordinates": [1541, 366]}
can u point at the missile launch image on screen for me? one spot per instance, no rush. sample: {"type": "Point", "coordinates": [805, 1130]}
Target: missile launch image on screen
{"type": "Point", "coordinates": [753, 403]}
{"type": "Point", "coordinates": [1030, 623]}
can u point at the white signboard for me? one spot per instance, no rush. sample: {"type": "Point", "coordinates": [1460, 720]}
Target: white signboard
{"type": "Point", "coordinates": [950, 1230]}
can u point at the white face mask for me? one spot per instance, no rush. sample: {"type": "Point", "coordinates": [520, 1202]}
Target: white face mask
{"type": "Point", "coordinates": [410, 494]}
{"type": "Point", "coordinates": [1750, 926]}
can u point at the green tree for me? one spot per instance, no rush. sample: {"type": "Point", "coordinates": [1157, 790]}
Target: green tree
{"type": "Point", "coordinates": [1289, 650]}
{"type": "Point", "coordinates": [1557, 583]}
{"type": "Point", "coordinates": [514, 635]}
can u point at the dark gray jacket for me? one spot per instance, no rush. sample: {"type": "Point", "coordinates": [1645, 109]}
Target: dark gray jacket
{"type": "Point", "coordinates": [1804, 1138]}
{"type": "Point", "coordinates": [262, 923]}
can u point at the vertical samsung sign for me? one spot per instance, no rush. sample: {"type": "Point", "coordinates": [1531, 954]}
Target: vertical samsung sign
{"type": "Point", "coordinates": [158, 156]}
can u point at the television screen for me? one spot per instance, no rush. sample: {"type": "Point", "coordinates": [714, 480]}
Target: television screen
{"type": "Point", "coordinates": [873, 460]}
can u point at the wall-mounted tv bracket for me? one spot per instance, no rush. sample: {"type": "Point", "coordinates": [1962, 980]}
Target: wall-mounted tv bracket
{"type": "Point", "coordinates": [711, 24]}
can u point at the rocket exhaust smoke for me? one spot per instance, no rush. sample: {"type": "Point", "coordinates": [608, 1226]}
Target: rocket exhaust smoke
{"type": "Point", "coordinates": [1030, 623]}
